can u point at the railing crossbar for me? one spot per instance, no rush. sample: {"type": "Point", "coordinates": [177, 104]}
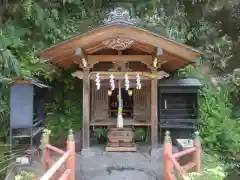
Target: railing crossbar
{"type": "Point", "coordinates": [177, 167]}
{"type": "Point", "coordinates": [171, 176]}
{"type": "Point", "coordinates": [65, 175]}
{"type": "Point", "coordinates": [55, 167]}
{"type": "Point", "coordinates": [185, 152]}
{"type": "Point", "coordinates": [189, 166]}
{"type": "Point", "coordinates": [57, 150]}
{"type": "Point", "coordinates": [171, 160]}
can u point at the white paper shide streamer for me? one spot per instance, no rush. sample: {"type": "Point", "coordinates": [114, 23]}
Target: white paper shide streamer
{"type": "Point", "coordinates": [126, 82]}
{"type": "Point", "coordinates": [112, 83]}
{"type": "Point", "coordinates": [139, 86]}
{"type": "Point", "coordinates": [97, 81]}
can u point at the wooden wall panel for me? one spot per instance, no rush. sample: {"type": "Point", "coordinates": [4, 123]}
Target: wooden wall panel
{"type": "Point", "coordinates": [141, 101]}
{"type": "Point", "coordinates": [100, 102]}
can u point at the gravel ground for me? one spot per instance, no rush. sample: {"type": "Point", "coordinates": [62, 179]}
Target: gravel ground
{"type": "Point", "coordinates": [101, 165]}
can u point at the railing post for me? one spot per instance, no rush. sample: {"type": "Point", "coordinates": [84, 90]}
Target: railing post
{"type": "Point", "coordinates": [197, 154]}
{"type": "Point", "coordinates": [46, 156]}
{"type": "Point", "coordinates": [71, 159]}
{"type": "Point", "coordinates": [168, 167]}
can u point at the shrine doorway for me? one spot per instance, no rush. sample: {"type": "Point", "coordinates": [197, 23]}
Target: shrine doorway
{"type": "Point", "coordinates": [127, 100]}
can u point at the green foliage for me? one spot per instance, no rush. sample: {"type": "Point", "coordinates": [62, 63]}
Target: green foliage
{"type": "Point", "coordinates": [31, 25]}
{"type": "Point", "coordinates": [101, 133]}
{"type": "Point", "coordinates": [23, 175]}
{"type": "Point", "coordinates": [140, 134]}
{"type": "Point", "coordinates": [65, 112]}
{"type": "Point", "coordinates": [220, 132]}
{"type": "Point", "coordinates": [213, 174]}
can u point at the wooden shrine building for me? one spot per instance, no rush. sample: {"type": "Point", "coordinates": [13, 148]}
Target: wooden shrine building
{"type": "Point", "coordinates": [120, 55]}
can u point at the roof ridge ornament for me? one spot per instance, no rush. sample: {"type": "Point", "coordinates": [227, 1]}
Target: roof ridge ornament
{"type": "Point", "coordinates": [119, 15]}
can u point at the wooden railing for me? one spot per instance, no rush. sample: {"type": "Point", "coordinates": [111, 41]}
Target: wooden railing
{"type": "Point", "coordinates": [171, 163]}
{"type": "Point", "coordinates": [64, 167]}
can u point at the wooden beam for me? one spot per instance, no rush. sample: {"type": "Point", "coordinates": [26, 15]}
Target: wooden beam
{"type": "Point", "coordinates": [120, 75]}
{"type": "Point", "coordinates": [82, 62]}
{"type": "Point", "coordinates": [117, 58]}
{"type": "Point", "coordinates": [142, 47]}
{"type": "Point", "coordinates": [106, 77]}
{"type": "Point", "coordinates": [94, 48]}
{"type": "Point", "coordinates": [78, 74]}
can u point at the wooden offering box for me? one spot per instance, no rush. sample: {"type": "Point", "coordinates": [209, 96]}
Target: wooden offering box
{"type": "Point", "coordinates": [121, 140]}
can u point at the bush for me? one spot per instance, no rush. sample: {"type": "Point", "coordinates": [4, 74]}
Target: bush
{"type": "Point", "coordinates": [25, 176]}
{"type": "Point", "coordinates": [208, 174]}
{"type": "Point", "coordinates": [212, 168]}
{"type": "Point", "coordinates": [220, 132]}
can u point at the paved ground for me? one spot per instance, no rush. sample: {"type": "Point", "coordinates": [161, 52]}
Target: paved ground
{"type": "Point", "coordinates": [101, 165]}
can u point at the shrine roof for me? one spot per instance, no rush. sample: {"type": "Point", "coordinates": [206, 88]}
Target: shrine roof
{"type": "Point", "coordinates": [29, 80]}
{"type": "Point", "coordinates": [190, 82]}
{"type": "Point", "coordinates": [120, 28]}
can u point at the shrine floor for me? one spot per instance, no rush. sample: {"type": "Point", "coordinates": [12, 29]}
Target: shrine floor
{"type": "Point", "coordinates": [101, 165]}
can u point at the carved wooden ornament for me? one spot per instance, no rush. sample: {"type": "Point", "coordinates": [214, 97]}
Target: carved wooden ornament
{"type": "Point", "coordinates": [118, 43]}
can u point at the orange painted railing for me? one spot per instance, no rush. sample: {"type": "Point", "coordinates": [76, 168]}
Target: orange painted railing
{"type": "Point", "coordinates": [64, 167]}
{"type": "Point", "coordinates": [171, 163]}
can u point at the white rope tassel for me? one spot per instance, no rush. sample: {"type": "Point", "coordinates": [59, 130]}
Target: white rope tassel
{"type": "Point", "coordinates": [119, 120]}
{"type": "Point", "coordinates": [119, 117]}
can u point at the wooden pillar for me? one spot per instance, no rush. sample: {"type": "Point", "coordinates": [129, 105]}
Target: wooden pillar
{"type": "Point", "coordinates": [86, 111]}
{"type": "Point", "coordinates": [154, 117]}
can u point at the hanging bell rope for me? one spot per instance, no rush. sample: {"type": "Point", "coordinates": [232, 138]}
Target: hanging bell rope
{"type": "Point", "coordinates": [120, 107]}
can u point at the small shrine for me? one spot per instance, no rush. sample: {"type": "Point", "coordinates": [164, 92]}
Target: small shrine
{"type": "Point", "coordinates": [121, 66]}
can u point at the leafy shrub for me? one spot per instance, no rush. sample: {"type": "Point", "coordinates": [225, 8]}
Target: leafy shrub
{"type": "Point", "coordinates": [65, 112]}
{"type": "Point", "coordinates": [101, 133]}
{"type": "Point", "coordinates": [140, 134]}
{"type": "Point", "coordinates": [220, 132]}
{"type": "Point", "coordinates": [25, 176]}
{"type": "Point", "coordinates": [208, 174]}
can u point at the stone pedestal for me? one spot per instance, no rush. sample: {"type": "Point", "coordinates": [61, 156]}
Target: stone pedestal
{"type": "Point", "coordinates": [156, 152]}
{"type": "Point", "coordinates": [87, 153]}
{"type": "Point", "coordinates": [121, 140]}
{"type": "Point", "coordinates": [182, 145]}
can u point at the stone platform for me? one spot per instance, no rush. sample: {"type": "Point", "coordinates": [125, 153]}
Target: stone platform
{"type": "Point", "coordinates": [101, 165]}
{"type": "Point", "coordinates": [98, 164]}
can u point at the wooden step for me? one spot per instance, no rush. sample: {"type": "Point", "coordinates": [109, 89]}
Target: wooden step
{"type": "Point", "coordinates": [121, 140]}
{"type": "Point", "coordinates": [121, 147]}
{"type": "Point", "coordinates": [121, 144]}
{"type": "Point", "coordinates": [124, 135]}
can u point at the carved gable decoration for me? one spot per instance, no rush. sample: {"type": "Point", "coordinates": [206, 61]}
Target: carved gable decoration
{"type": "Point", "coordinates": [119, 15]}
{"type": "Point", "coordinates": [118, 43]}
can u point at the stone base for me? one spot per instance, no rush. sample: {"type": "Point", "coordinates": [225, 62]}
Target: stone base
{"type": "Point", "coordinates": [157, 152]}
{"type": "Point", "coordinates": [87, 153]}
